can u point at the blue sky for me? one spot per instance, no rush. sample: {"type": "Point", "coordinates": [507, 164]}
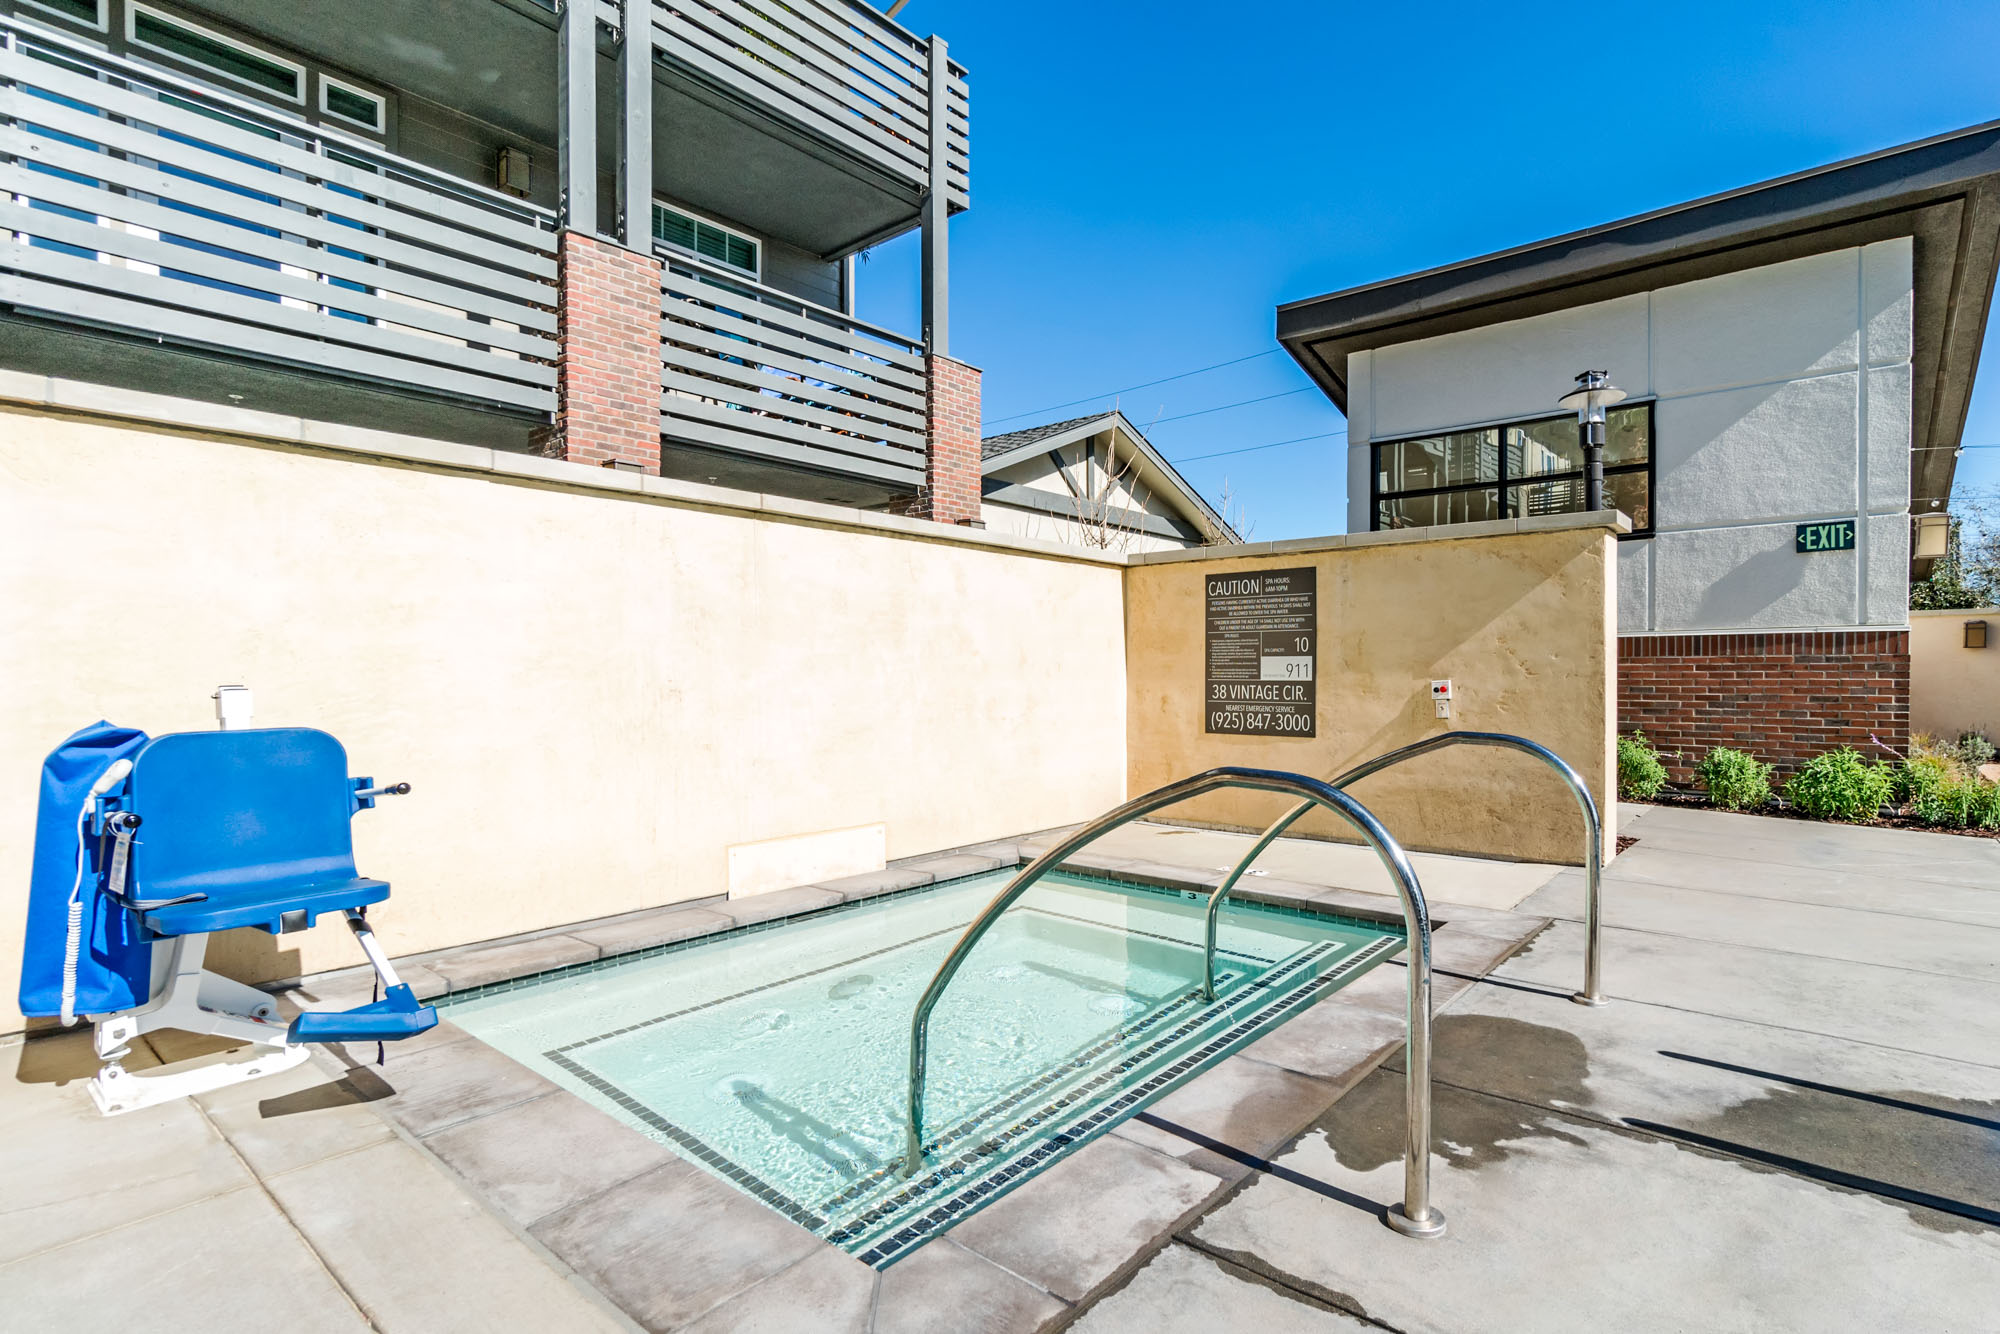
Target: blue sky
{"type": "Point", "coordinates": [1150, 181]}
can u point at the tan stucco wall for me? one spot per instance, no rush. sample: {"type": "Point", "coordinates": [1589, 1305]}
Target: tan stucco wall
{"type": "Point", "coordinates": [1524, 626]}
{"type": "Point", "coordinates": [1954, 689]}
{"type": "Point", "coordinates": [594, 694]}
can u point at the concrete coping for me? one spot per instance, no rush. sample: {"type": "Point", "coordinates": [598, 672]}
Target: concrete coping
{"type": "Point", "coordinates": [1541, 523]}
{"type": "Point", "coordinates": [1974, 612]}
{"type": "Point", "coordinates": [95, 400]}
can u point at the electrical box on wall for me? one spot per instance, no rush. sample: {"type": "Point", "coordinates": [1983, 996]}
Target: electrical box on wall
{"type": "Point", "coordinates": [1441, 696]}
{"type": "Point", "coordinates": [511, 170]}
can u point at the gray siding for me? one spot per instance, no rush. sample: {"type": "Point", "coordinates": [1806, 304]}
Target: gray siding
{"type": "Point", "coordinates": [468, 149]}
{"type": "Point", "coordinates": [790, 269]}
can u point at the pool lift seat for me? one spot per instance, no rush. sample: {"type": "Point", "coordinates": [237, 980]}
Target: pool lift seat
{"type": "Point", "coordinates": [215, 831]}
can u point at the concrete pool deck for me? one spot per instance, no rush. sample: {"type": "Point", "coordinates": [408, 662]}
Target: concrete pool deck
{"type": "Point", "coordinates": [1786, 1119]}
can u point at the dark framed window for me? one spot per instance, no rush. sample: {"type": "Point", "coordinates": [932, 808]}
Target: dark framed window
{"type": "Point", "coordinates": [702, 237]}
{"type": "Point", "coordinates": [1512, 471]}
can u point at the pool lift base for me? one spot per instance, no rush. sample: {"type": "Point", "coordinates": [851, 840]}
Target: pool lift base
{"type": "Point", "coordinates": [1579, 998]}
{"type": "Point", "coordinates": [192, 1000]}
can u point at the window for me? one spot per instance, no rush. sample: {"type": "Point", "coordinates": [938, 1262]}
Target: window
{"type": "Point", "coordinates": [1513, 471]}
{"type": "Point", "coordinates": [699, 237]}
{"type": "Point", "coordinates": [345, 102]}
{"type": "Point", "coordinates": [90, 13]}
{"type": "Point", "coordinates": [212, 51]}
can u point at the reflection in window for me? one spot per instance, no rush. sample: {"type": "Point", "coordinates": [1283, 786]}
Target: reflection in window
{"type": "Point", "coordinates": [1442, 460]}
{"type": "Point", "coordinates": [1467, 506]}
{"type": "Point", "coordinates": [1513, 471]}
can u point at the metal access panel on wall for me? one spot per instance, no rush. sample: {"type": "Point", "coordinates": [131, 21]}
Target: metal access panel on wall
{"type": "Point", "coordinates": [1263, 648]}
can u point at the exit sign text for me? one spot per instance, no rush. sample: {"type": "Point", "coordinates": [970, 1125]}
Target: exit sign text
{"type": "Point", "coordinates": [1835, 536]}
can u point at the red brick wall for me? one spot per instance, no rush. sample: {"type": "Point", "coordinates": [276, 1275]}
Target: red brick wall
{"type": "Point", "coordinates": [608, 369]}
{"type": "Point", "coordinates": [951, 465]}
{"type": "Point", "coordinates": [1784, 696]}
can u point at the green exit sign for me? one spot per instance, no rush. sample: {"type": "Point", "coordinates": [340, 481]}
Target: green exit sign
{"type": "Point", "coordinates": [1835, 536]}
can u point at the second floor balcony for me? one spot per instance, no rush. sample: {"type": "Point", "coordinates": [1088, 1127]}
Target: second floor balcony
{"type": "Point", "coordinates": [360, 222]}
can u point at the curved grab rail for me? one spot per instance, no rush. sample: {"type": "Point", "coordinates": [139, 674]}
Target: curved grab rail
{"type": "Point", "coordinates": [1414, 1216]}
{"type": "Point", "coordinates": [1592, 825]}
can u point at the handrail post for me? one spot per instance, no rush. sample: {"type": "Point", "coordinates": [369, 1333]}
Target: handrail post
{"type": "Point", "coordinates": [1415, 1216]}
{"type": "Point", "coordinates": [1593, 845]}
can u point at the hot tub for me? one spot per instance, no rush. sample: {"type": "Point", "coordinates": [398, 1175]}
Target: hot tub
{"type": "Point", "coordinates": [776, 1056]}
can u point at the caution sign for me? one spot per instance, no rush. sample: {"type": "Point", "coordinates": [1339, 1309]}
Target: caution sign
{"type": "Point", "coordinates": [1263, 643]}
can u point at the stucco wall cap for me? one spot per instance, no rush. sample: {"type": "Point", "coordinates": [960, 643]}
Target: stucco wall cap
{"type": "Point", "coordinates": [18, 389]}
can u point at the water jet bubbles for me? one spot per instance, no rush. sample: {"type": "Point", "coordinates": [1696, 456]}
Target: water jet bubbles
{"type": "Point", "coordinates": [849, 987]}
{"type": "Point", "coordinates": [1121, 1005]}
{"type": "Point", "coordinates": [763, 1022]}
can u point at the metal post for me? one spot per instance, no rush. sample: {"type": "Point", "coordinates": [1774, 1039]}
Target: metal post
{"type": "Point", "coordinates": [1414, 1217]}
{"type": "Point", "coordinates": [576, 108]}
{"type": "Point", "coordinates": [635, 128]}
{"type": "Point", "coordinates": [936, 213]}
{"type": "Point", "coordinates": [1593, 466]}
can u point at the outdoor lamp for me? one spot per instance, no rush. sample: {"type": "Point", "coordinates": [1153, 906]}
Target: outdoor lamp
{"type": "Point", "coordinates": [1594, 393]}
{"type": "Point", "coordinates": [1933, 536]}
{"type": "Point", "coordinates": [1975, 634]}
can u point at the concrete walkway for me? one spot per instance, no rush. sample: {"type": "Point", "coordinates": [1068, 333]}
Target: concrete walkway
{"type": "Point", "coordinates": [281, 1206]}
{"type": "Point", "coordinates": [1787, 1119]}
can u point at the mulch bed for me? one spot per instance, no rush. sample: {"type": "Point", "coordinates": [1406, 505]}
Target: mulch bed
{"type": "Point", "coordinates": [1779, 809]}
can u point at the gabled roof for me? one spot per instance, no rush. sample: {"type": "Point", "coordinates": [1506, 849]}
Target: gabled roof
{"type": "Point", "coordinates": [997, 452]}
{"type": "Point", "coordinates": [995, 445]}
{"type": "Point", "coordinates": [1943, 192]}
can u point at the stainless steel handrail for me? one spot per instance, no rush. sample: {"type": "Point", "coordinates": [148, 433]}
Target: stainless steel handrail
{"type": "Point", "coordinates": [1593, 842]}
{"type": "Point", "coordinates": [1415, 1216]}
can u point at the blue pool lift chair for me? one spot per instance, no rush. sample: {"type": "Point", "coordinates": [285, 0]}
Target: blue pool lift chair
{"type": "Point", "coordinates": [190, 834]}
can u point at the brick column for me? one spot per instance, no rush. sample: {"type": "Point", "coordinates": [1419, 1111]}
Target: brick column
{"type": "Point", "coordinates": [950, 492]}
{"type": "Point", "coordinates": [608, 366]}
{"type": "Point", "coordinates": [1783, 695]}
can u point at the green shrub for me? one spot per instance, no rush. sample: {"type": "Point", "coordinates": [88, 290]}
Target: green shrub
{"type": "Point", "coordinates": [1974, 750]}
{"type": "Point", "coordinates": [1735, 781]}
{"type": "Point", "coordinates": [1640, 773]}
{"type": "Point", "coordinates": [1840, 785]}
{"type": "Point", "coordinates": [1986, 807]}
{"type": "Point", "coordinates": [1919, 776]}
{"type": "Point", "coordinates": [1951, 802]}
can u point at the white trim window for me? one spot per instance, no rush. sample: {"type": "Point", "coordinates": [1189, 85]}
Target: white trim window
{"type": "Point", "coordinates": [342, 102]}
{"type": "Point", "coordinates": [677, 229]}
{"type": "Point", "coordinates": [92, 14]}
{"type": "Point", "coordinates": [200, 48]}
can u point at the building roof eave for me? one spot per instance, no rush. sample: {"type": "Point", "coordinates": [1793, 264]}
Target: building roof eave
{"type": "Point", "coordinates": [1944, 192]}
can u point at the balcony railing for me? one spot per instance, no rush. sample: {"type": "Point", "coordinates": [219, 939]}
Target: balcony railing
{"type": "Point", "coordinates": [838, 68]}
{"type": "Point", "coordinates": [133, 199]}
{"type": "Point", "coordinates": [750, 369]}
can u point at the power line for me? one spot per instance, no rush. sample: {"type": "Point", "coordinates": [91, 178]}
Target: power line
{"type": "Point", "coordinates": [1199, 370]}
{"type": "Point", "coordinates": [1244, 403]}
{"type": "Point", "coordinates": [1251, 449]}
